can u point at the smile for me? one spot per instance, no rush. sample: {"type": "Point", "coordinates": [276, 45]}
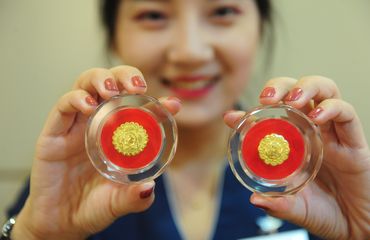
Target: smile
{"type": "Point", "coordinates": [192, 87]}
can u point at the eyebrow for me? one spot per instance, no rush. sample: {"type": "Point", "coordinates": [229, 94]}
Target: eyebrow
{"type": "Point", "coordinates": [151, 0]}
{"type": "Point", "coordinates": [167, 0]}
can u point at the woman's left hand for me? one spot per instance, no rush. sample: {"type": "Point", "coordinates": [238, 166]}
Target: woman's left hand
{"type": "Point", "coordinates": [337, 204]}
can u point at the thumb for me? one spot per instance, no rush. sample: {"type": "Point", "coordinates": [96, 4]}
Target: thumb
{"type": "Point", "coordinates": [135, 198]}
{"type": "Point", "coordinates": [232, 117]}
{"type": "Point", "coordinates": [291, 208]}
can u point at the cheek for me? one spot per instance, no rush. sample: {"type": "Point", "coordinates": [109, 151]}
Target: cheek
{"type": "Point", "coordinates": [137, 49]}
{"type": "Point", "coordinates": [238, 61]}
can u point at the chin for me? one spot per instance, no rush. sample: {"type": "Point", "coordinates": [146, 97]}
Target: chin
{"type": "Point", "coordinates": [194, 119]}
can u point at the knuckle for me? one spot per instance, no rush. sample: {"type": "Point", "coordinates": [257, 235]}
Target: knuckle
{"type": "Point", "coordinates": [94, 72]}
{"type": "Point", "coordinates": [331, 102]}
{"type": "Point", "coordinates": [98, 73]}
{"type": "Point", "coordinates": [91, 75]}
{"type": "Point", "coordinates": [338, 103]}
{"type": "Point", "coordinates": [279, 80]}
{"type": "Point", "coordinates": [126, 70]}
{"type": "Point", "coordinates": [317, 79]}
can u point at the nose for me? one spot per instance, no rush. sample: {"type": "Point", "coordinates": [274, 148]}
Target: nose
{"type": "Point", "coordinates": [190, 46]}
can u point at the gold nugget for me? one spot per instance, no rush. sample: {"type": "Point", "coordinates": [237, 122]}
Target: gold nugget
{"type": "Point", "coordinates": [273, 149]}
{"type": "Point", "coordinates": [130, 138]}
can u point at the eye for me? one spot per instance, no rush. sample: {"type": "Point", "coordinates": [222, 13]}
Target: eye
{"type": "Point", "coordinates": [152, 19]}
{"type": "Point", "coordinates": [151, 16]}
{"type": "Point", "coordinates": [225, 14]}
{"type": "Point", "coordinates": [225, 11]}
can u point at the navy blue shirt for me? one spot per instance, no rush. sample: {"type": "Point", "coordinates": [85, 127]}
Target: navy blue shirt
{"type": "Point", "coordinates": [236, 217]}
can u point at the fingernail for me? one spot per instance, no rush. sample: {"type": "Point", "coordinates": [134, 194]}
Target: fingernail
{"type": "Point", "coordinates": [137, 81]}
{"type": "Point", "coordinates": [315, 112]}
{"type": "Point", "coordinates": [268, 92]}
{"type": "Point", "coordinates": [110, 85]}
{"type": "Point", "coordinates": [91, 101]}
{"type": "Point", "coordinates": [294, 95]}
{"type": "Point", "coordinates": [174, 99]}
{"type": "Point", "coordinates": [262, 207]}
{"type": "Point", "coordinates": [146, 193]}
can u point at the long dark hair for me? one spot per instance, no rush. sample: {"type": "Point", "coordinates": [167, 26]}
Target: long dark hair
{"type": "Point", "coordinates": [109, 10]}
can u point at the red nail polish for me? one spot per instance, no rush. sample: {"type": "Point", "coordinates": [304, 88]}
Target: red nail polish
{"type": "Point", "coordinates": [147, 193]}
{"type": "Point", "coordinates": [110, 85]}
{"type": "Point", "coordinates": [91, 101]}
{"type": "Point", "coordinates": [137, 81]}
{"type": "Point", "coordinates": [174, 99]}
{"type": "Point", "coordinates": [268, 92]}
{"type": "Point", "coordinates": [315, 112]}
{"type": "Point", "coordinates": [294, 95]}
{"type": "Point", "coordinates": [261, 207]}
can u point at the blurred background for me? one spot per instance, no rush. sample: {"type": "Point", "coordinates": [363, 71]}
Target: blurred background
{"type": "Point", "coordinates": [45, 45]}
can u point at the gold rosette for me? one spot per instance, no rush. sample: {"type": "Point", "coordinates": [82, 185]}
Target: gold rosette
{"type": "Point", "coordinates": [273, 149]}
{"type": "Point", "coordinates": [130, 138]}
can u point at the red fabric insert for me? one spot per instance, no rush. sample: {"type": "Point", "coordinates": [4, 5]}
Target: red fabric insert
{"type": "Point", "coordinates": [152, 128]}
{"type": "Point", "coordinates": [254, 136]}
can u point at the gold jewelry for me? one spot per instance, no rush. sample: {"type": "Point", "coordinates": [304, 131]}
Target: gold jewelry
{"type": "Point", "coordinates": [273, 149]}
{"type": "Point", "coordinates": [130, 138]}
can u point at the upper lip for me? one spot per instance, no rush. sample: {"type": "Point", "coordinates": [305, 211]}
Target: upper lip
{"type": "Point", "coordinates": [190, 78]}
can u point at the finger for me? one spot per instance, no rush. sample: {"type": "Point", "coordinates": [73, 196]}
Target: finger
{"type": "Point", "coordinates": [63, 115]}
{"type": "Point", "coordinates": [232, 118]}
{"type": "Point", "coordinates": [130, 79]}
{"type": "Point", "coordinates": [309, 88]}
{"type": "Point", "coordinates": [348, 127]}
{"type": "Point", "coordinates": [98, 81]}
{"type": "Point", "coordinates": [172, 104]}
{"type": "Point", "coordinates": [288, 207]}
{"type": "Point", "coordinates": [316, 214]}
{"type": "Point", "coordinates": [276, 89]}
{"type": "Point", "coordinates": [134, 198]}
{"type": "Point", "coordinates": [291, 208]}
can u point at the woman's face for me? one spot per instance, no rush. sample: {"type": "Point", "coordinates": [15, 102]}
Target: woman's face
{"type": "Point", "coordinates": [200, 51]}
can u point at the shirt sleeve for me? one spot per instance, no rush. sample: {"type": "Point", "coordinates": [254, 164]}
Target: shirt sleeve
{"type": "Point", "coordinates": [18, 204]}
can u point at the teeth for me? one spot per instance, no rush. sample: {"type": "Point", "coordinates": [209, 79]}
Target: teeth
{"type": "Point", "coordinates": [191, 85]}
{"type": "Point", "coordinates": [197, 85]}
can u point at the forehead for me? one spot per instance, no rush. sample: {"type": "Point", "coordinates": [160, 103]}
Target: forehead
{"type": "Point", "coordinates": [186, 1]}
{"type": "Point", "coordinates": [183, 0]}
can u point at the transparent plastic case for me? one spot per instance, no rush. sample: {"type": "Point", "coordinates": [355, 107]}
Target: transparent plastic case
{"type": "Point", "coordinates": [275, 150]}
{"type": "Point", "coordinates": [131, 138]}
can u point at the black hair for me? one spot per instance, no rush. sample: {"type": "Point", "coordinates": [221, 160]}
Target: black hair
{"type": "Point", "coordinates": [109, 11]}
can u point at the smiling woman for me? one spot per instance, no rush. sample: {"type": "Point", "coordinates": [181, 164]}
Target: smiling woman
{"type": "Point", "coordinates": [191, 62]}
{"type": "Point", "coordinates": [197, 57]}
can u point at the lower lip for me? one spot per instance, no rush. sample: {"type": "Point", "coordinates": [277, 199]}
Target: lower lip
{"type": "Point", "coordinates": [192, 94]}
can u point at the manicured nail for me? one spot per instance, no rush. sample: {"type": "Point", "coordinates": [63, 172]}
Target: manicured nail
{"type": "Point", "coordinates": [262, 207]}
{"type": "Point", "coordinates": [110, 85]}
{"type": "Point", "coordinates": [137, 81]}
{"type": "Point", "coordinates": [268, 92]}
{"type": "Point", "coordinates": [91, 101]}
{"type": "Point", "coordinates": [294, 95]}
{"type": "Point", "coordinates": [315, 112]}
{"type": "Point", "coordinates": [174, 99]}
{"type": "Point", "coordinates": [146, 193]}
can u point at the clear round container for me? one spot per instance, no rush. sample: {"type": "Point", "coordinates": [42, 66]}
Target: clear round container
{"type": "Point", "coordinates": [275, 150]}
{"type": "Point", "coordinates": [131, 138]}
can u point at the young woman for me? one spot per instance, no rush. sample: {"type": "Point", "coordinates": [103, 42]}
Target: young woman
{"type": "Point", "coordinates": [196, 56]}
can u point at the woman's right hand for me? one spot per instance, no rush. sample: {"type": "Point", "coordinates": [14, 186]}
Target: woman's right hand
{"type": "Point", "coordinates": [68, 198]}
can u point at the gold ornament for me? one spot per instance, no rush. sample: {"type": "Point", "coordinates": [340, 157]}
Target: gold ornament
{"type": "Point", "coordinates": [273, 149]}
{"type": "Point", "coordinates": [130, 138]}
